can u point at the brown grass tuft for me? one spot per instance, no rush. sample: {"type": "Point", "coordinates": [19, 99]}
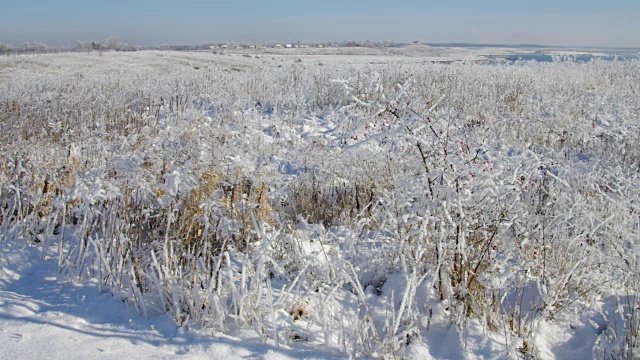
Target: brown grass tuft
{"type": "Point", "coordinates": [299, 310]}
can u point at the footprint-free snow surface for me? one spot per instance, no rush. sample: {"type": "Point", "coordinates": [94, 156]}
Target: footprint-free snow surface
{"type": "Point", "coordinates": [346, 203]}
{"type": "Point", "coordinates": [43, 318]}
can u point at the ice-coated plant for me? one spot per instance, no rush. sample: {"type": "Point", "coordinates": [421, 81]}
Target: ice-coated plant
{"type": "Point", "coordinates": [357, 208]}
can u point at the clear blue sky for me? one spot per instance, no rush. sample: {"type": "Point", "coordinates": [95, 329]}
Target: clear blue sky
{"type": "Point", "coordinates": [612, 23]}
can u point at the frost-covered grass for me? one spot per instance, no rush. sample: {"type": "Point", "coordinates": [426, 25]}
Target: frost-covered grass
{"type": "Point", "coordinates": [376, 208]}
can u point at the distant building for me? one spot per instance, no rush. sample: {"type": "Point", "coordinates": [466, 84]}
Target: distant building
{"type": "Point", "coordinates": [288, 46]}
{"type": "Point", "coordinates": [278, 46]}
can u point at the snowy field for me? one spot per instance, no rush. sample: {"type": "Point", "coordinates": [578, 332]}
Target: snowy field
{"type": "Point", "coordinates": [272, 205]}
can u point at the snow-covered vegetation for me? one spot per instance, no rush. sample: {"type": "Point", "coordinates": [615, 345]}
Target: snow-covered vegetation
{"type": "Point", "coordinates": [374, 208]}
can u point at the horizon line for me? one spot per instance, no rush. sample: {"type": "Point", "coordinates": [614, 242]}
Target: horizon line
{"type": "Point", "coordinates": [391, 44]}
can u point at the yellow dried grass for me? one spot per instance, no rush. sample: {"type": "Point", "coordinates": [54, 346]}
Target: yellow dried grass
{"type": "Point", "coordinates": [256, 196]}
{"type": "Point", "coordinates": [52, 188]}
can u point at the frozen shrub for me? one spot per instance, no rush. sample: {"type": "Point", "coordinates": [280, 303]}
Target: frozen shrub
{"type": "Point", "coordinates": [365, 205]}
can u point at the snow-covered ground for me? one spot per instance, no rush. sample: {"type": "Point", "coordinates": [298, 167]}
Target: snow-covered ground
{"type": "Point", "coordinates": [318, 205]}
{"type": "Point", "coordinates": [41, 317]}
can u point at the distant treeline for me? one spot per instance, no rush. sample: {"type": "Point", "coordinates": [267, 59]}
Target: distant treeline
{"type": "Point", "coordinates": [114, 44]}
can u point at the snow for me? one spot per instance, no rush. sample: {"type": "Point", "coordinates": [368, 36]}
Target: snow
{"type": "Point", "coordinates": [41, 317]}
{"type": "Point", "coordinates": [377, 205]}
